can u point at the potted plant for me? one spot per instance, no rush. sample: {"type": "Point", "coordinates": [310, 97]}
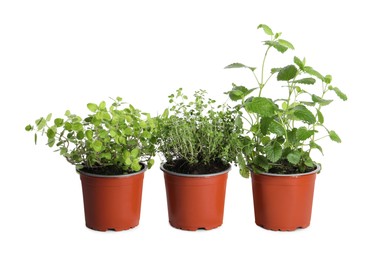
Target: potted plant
{"type": "Point", "coordinates": [198, 141]}
{"type": "Point", "coordinates": [284, 129]}
{"type": "Point", "coordinates": [111, 148]}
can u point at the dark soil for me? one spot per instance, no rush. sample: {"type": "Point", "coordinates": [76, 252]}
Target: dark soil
{"type": "Point", "coordinates": [285, 168]}
{"type": "Point", "coordinates": [105, 170]}
{"type": "Point", "coordinates": [182, 166]}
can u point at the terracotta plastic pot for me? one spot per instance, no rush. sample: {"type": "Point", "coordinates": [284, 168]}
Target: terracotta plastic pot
{"type": "Point", "coordinates": [112, 202]}
{"type": "Point", "coordinates": [195, 201]}
{"type": "Point", "coordinates": [283, 202]}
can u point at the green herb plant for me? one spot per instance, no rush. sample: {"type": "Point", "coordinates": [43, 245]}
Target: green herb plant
{"type": "Point", "coordinates": [110, 140]}
{"type": "Point", "coordinates": [196, 136]}
{"type": "Point", "coordinates": [283, 132]}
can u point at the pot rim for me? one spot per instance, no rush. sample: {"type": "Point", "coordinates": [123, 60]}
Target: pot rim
{"type": "Point", "coordinates": [143, 169]}
{"type": "Point", "coordinates": [316, 170]}
{"type": "Point", "coordinates": [193, 175]}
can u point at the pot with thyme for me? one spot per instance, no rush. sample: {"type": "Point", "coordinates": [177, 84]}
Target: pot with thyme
{"type": "Point", "coordinates": [111, 148]}
{"type": "Point", "coordinates": [283, 128]}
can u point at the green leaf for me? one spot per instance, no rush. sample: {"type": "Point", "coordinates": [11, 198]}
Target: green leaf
{"type": "Point", "coordinates": [50, 133]}
{"type": "Point", "coordinates": [262, 106]}
{"type": "Point", "coordinates": [239, 65]}
{"type": "Point", "coordinates": [327, 79]}
{"type": "Point", "coordinates": [304, 114]}
{"type": "Point", "coordinates": [262, 162]}
{"type": "Point", "coordinates": [35, 138]}
{"type": "Point", "coordinates": [339, 93]}
{"type": "Point", "coordinates": [41, 123]}
{"type": "Point", "coordinates": [102, 105]}
{"type": "Point", "coordinates": [106, 156]}
{"type": "Point", "coordinates": [97, 145]}
{"type": "Point", "coordinates": [58, 122]}
{"type": "Point", "coordinates": [67, 113]}
{"type": "Point", "coordinates": [136, 165]}
{"type": "Point", "coordinates": [128, 161]}
{"type": "Point", "coordinates": [307, 81]}
{"type": "Point", "coordinates": [80, 135]}
{"type": "Point", "coordinates": [279, 47]}
{"type": "Point", "coordinates": [313, 72]}
{"type": "Point", "coordinates": [302, 133]}
{"type": "Point", "coordinates": [264, 124]}
{"type": "Point", "coordinates": [299, 63]}
{"type": "Point", "coordinates": [266, 29]}
{"type": "Point", "coordinates": [28, 128]}
{"type": "Point", "coordinates": [265, 140]}
{"type": "Point", "coordinates": [309, 162]}
{"type": "Point", "coordinates": [287, 73]}
{"type": "Point", "coordinates": [286, 44]}
{"type": "Point", "coordinates": [292, 136]}
{"type": "Point", "coordinates": [135, 153]}
{"type": "Point", "coordinates": [334, 137]}
{"type": "Point", "coordinates": [48, 118]}
{"type": "Point", "coordinates": [274, 70]}
{"type": "Point", "coordinates": [320, 116]}
{"type": "Point", "coordinates": [92, 107]}
{"type": "Point", "coordinates": [68, 126]}
{"type": "Point", "coordinates": [321, 101]}
{"type": "Point", "coordinates": [150, 163]}
{"type": "Point", "coordinates": [77, 126]}
{"type": "Point", "coordinates": [51, 142]}
{"type": "Point", "coordinates": [273, 152]}
{"type": "Point", "coordinates": [294, 157]}
{"type": "Point", "coordinates": [89, 134]}
{"type": "Point", "coordinates": [276, 128]}
{"type": "Point", "coordinates": [314, 145]}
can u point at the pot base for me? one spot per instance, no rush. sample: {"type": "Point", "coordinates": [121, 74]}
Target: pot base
{"type": "Point", "coordinates": [282, 229]}
{"type": "Point", "coordinates": [192, 228]}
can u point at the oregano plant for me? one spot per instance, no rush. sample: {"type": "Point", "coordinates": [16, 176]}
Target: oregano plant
{"type": "Point", "coordinates": [282, 132]}
{"type": "Point", "coordinates": [110, 140]}
{"type": "Point", "coordinates": [196, 136]}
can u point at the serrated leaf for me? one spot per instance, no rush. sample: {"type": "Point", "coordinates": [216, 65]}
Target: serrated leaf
{"type": "Point", "coordinates": [339, 93]}
{"type": "Point", "coordinates": [313, 72]}
{"type": "Point", "coordinates": [276, 128]}
{"type": "Point", "coordinates": [239, 65]}
{"type": "Point", "coordinates": [261, 162]}
{"type": "Point", "coordinates": [321, 101]}
{"type": "Point", "coordinates": [286, 44]}
{"type": "Point", "coordinates": [274, 70]}
{"type": "Point", "coordinates": [294, 157]}
{"type": "Point", "coordinates": [273, 152]}
{"type": "Point", "coordinates": [299, 62]}
{"type": "Point", "coordinates": [304, 114]}
{"type": "Point", "coordinates": [238, 92]}
{"type": "Point", "coordinates": [92, 107]}
{"type": "Point", "coordinates": [302, 133]}
{"type": "Point", "coordinates": [266, 29]}
{"type": "Point", "coordinates": [262, 106]}
{"type": "Point", "coordinates": [320, 116]}
{"type": "Point", "coordinates": [307, 81]}
{"type": "Point", "coordinates": [277, 46]}
{"type": "Point", "coordinates": [264, 124]}
{"type": "Point", "coordinates": [334, 136]}
{"type": "Point", "coordinates": [287, 73]}
{"type": "Point", "coordinates": [314, 145]}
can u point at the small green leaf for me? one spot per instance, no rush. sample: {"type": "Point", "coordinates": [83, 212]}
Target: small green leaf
{"type": "Point", "coordinates": [262, 106]}
{"type": "Point", "coordinates": [339, 93]}
{"type": "Point", "coordinates": [58, 122]}
{"type": "Point", "coordinates": [50, 133]}
{"type": "Point", "coordinates": [239, 65]}
{"type": "Point", "coordinates": [314, 145]}
{"type": "Point", "coordinates": [106, 156]}
{"type": "Point", "coordinates": [97, 145]}
{"type": "Point", "coordinates": [304, 114]}
{"type": "Point", "coordinates": [48, 117]}
{"type": "Point", "coordinates": [89, 134]}
{"type": "Point", "coordinates": [264, 124]}
{"type": "Point", "coordinates": [28, 128]}
{"type": "Point", "coordinates": [327, 79]}
{"type": "Point", "coordinates": [102, 105]}
{"type": "Point", "coordinates": [68, 126]}
{"type": "Point", "coordinates": [294, 157]}
{"type": "Point", "coordinates": [313, 72]}
{"type": "Point", "coordinates": [266, 29]}
{"type": "Point", "coordinates": [279, 47]}
{"type": "Point", "coordinates": [299, 63]}
{"type": "Point", "coordinates": [265, 140]}
{"type": "Point", "coordinates": [67, 113]}
{"type": "Point", "coordinates": [320, 116]}
{"type": "Point", "coordinates": [51, 142]}
{"type": "Point", "coordinates": [276, 128]}
{"type": "Point", "coordinates": [334, 137]}
{"type": "Point", "coordinates": [302, 133]}
{"type": "Point", "coordinates": [80, 135]}
{"type": "Point", "coordinates": [309, 162]}
{"type": "Point", "coordinates": [287, 73]}
{"type": "Point", "coordinates": [321, 101]}
{"type": "Point", "coordinates": [77, 126]}
{"type": "Point", "coordinates": [136, 165]}
{"type": "Point", "coordinates": [150, 163]}
{"type": "Point", "coordinates": [292, 136]}
{"type": "Point", "coordinates": [286, 44]}
{"type": "Point", "coordinates": [307, 81]}
{"type": "Point", "coordinates": [273, 152]}
{"type": "Point", "coordinates": [41, 123]}
{"type": "Point", "coordinates": [92, 107]}
{"type": "Point", "coordinates": [135, 153]}
{"type": "Point", "coordinates": [275, 70]}
{"type": "Point", "coordinates": [128, 161]}
{"type": "Point", "coordinates": [262, 162]}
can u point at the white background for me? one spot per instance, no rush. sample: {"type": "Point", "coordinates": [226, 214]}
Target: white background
{"type": "Point", "coordinates": [58, 55]}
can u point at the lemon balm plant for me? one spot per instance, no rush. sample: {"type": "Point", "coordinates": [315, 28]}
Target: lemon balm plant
{"type": "Point", "coordinates": [283, 131]}
{"type": "Point", "coordinates": [111, 148]}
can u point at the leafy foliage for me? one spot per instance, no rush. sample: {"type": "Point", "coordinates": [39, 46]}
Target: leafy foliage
{"type": "Point", "coordinates": [119, 136]}
{"type": "Point", "coordinates": [197, 131]}
{"type": "Point", "coordinates": [282, 133]}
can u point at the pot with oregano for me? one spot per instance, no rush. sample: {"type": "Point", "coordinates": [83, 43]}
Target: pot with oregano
{"type": "Point", "coordinates": [197, 140]}
{"type": "Point", "coordinates": [111, 149]}
{"type": "Point", "coordinates": [283, 128]}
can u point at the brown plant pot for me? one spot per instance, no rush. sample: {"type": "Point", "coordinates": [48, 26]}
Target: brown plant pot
{"type": "Point", "coordinates": [283, 202]}
{"type": "Point", "coordinates": [112, 202]}
{"type": "Point", "coordinates": [195, 201]}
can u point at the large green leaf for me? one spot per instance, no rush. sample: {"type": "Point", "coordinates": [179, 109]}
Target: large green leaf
{"type": "Point", "coordinates": [287, 73]}
{"type": "Point", "coordinates": [262, 106]}
{"type": "Point", "coordinates": [286, 44]}
{"type": "Point", "coordinates": [321, 101]}
{"type": "Point", "coordinates": [239, 65]}
{"type": "Point", "coordinates": [279, 47]}
{"type": "Point", "coordinates": [97, 145]}
{"type": "Point", "coordinates": [307, 81]}
{"type": "Point", "coordinates": [299, 62]}
{"type": "Point", "coordinates": [313, 72]}
{"type": "Point", "coordinates": [276, 128]}
{"type": "Point", "coordinates": [92, 107]}
{"type": "Point", "coordinates": [339, 93]}
{"type": "Point", "coordinates": [266, 29]}
{"type": "Point", "coordinates": [304, 114]}
{"type": "Point", "coordinates": [303, 133]}
{"type": "Point", "coordinates": [261, 162]}
{"type": "Point", "coordinates": [294, 157]}
{"type": "Point", "coordinates": [273, 152]}
{"type": "Point", "coordinates": [264, 124]}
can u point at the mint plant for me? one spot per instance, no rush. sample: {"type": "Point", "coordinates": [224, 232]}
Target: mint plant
{"type": "Point", "coordinates": [197, 136]}
{"type": "Point", "coordinates": [282, 132]}
{"type": "Point", "coordinates": [110, 140]}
